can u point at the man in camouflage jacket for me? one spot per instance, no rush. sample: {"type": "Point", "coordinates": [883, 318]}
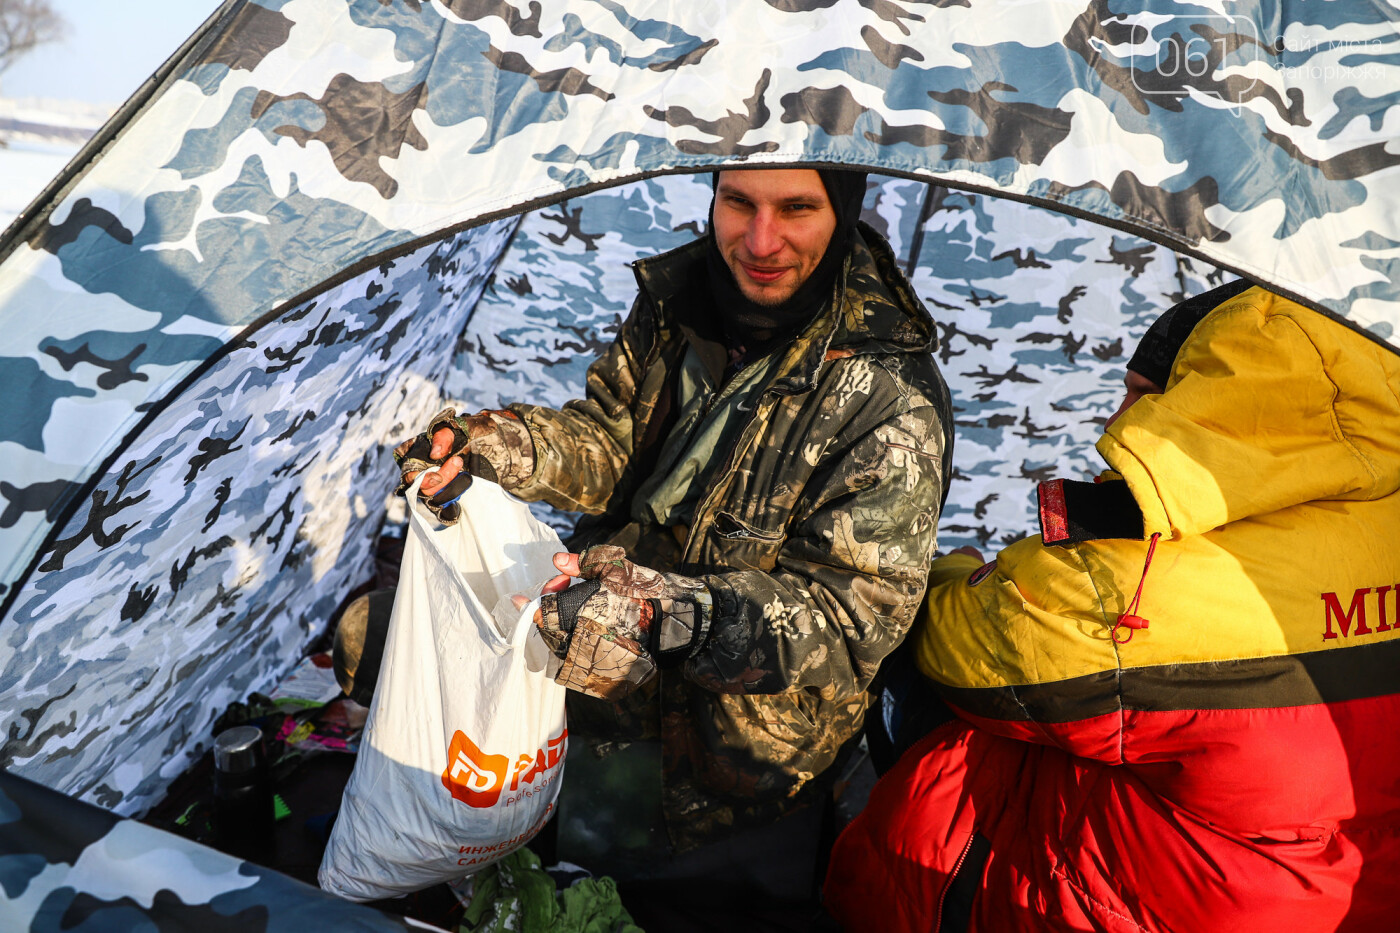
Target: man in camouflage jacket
{"type": "Point", "coordinates": [809, 488]}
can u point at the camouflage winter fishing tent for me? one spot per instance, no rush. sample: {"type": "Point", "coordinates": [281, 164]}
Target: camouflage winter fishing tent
{"type": "Point", "coordinates": [312, 223]}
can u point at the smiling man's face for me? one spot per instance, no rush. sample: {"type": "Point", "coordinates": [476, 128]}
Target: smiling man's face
{"type": "Point", "coordinates": [772, 227]}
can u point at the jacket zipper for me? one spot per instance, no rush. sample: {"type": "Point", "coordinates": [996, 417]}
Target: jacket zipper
{"type": "Point", "coordinates": [957, 867]}
{"type": "Point", "coordinates": [729, 458]}
{"type": "Point", "coordinates": [763, 396]}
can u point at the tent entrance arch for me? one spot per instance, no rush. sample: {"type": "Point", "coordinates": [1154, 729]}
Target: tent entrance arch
{"type": "Point", "coordinates": [247, 505]}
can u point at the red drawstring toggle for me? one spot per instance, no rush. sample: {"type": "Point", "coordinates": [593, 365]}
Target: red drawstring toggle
{"type": "Point", "coordinates": [1130, 619]}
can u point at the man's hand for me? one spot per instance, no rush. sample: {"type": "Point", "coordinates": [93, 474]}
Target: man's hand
{"type": "Point", "coordinates": [615, 628]}
{"type": "Point", "coordinates": [568, 563]}
{"type": "Point", "coordinates": [440, 446]}
{"type": "Point", "coordinates": [494, 445]}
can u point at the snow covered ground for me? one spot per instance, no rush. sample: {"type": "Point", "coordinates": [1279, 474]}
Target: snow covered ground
{"type": "Point", "coordinates": [39, 137]}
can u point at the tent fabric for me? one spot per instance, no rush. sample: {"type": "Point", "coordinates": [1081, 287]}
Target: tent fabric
{"type": "Point", "coordinates": [298, 138]}
{"type": "Point", "coordinates": [225, 535]}
{"type": "Point", "coordinates": [257, 282]}
{"type": "Point", "coordinates": [72, 866]}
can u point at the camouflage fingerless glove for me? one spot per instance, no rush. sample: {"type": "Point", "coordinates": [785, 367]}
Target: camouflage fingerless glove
{"type": "Point", "coordinates": [614, 630]}
{"type": "Point", "coordinates": [495, 445]}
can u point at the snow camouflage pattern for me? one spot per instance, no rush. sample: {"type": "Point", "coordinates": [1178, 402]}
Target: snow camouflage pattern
{"type": "Point", "coordinates": [85, 869]}
{"type": "Point", "coordinates": [300, 137]}
{"type": "Point", "coordinates": [1036, 310]}
{"type": "Point", "coordinates": [214, 213]}
{"type": "Point", "coordinates": [227, 534]}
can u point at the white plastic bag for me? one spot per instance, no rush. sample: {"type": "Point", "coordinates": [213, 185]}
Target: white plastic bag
{"type": "Point", "coordinates": [463, 753]}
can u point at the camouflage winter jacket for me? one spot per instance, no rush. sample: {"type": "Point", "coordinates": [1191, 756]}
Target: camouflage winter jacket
{"type": "Point", "coordinates": [814, 531]}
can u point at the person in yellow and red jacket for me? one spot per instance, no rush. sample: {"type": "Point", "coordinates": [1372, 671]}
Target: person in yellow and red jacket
{"type": "Point", "coordinates": [1178, 704]}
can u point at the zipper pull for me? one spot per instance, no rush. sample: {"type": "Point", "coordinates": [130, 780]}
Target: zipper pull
{"type": "Point", "coordinates": [709, 404]}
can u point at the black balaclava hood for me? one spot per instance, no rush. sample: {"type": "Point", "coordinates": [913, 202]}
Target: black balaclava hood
{"type": "Point", "coordinates": [1156, 353]}
{"type": "Point", "coordinates": [758, 327]}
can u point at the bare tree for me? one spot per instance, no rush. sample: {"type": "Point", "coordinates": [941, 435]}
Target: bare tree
{"type": "Point", "coordinates": [25, 24]}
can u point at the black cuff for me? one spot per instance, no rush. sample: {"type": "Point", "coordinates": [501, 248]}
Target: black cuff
{"type": "Point", "coordinates": [1072, 511]}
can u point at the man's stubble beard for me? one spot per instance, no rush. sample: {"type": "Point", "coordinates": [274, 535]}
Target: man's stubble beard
{"type": "Point", "coordinates": [763, 300]}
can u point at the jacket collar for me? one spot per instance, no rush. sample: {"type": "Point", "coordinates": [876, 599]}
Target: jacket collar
{"type": "Point", "coordinates": [878, 311]}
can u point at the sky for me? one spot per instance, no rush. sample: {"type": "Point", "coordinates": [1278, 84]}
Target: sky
{"type": "Point", "coordinates": [112, 47]}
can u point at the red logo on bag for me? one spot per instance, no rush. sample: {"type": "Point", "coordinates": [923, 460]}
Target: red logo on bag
{"type": "Point", "coordinates": [478, 779]}
{"type": "Point", "coordinates": [472, 776]}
